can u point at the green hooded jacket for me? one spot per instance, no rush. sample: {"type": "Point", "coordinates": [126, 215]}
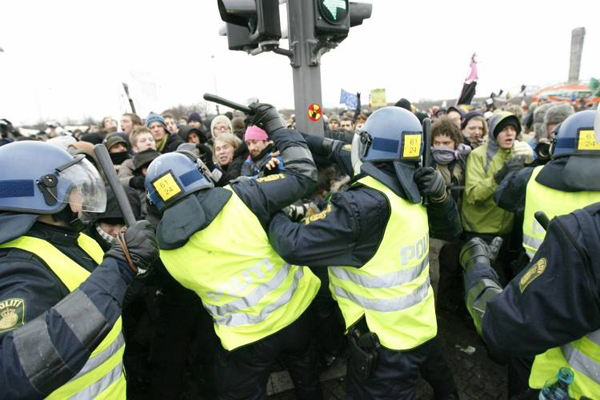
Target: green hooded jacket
{"type": "Point", "coordinates": [479, 213]}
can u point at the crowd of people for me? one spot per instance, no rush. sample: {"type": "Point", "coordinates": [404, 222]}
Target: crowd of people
{"type": "Point", "coordinates": [280, 248]}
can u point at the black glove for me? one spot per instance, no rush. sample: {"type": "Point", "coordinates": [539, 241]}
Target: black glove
{"type": "Point", "coordinates": [476, 251]}
{"type": "Point", "coordinates": [266, 117]}
{"type": "Point", "coordinates": [514, 164]}
{"type": "Point", "coordinates": [137, 182]}
{"type": "Point", "coordinates": [138, 247]}
{"type": "Point", "coordinates": [431, 184]}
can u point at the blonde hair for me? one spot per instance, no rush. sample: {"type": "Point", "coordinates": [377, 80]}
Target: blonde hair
{"type": "Point", "coordinates": [228, 138]}
{"type": "Point", "coordinates": [136, 133]}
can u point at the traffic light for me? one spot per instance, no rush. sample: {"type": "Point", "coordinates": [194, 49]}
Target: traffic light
{"type": "Point", "coordinates": [334, 18]}
{"type": "Point", "coordinates": [250, 22]}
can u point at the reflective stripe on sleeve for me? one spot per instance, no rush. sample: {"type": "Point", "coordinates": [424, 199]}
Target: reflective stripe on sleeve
{"type": "Point", "coordinates": [82, 316]}
{"type": "Point", "coordinates": [39, 359]}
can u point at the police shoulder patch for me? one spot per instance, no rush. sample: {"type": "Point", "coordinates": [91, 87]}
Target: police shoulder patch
{"type": "Point", "coordinates": [317, 217]}
{"type": "Point", "coordinates": [270, 178]}
{"type": "Point", "coordinates": [534, 271]}
{"type": "Point", "coordinates": [12, 314]}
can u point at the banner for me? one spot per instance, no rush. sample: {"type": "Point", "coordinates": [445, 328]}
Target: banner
{"type": "Point", "coordinates": [349, 99]}
{"type": "Point", "coordinates": [378, 99]}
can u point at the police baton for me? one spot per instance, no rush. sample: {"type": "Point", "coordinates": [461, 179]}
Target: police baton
{"type": "Point", "coordinates": [542, 219]}
{"type": "Point", "coordinates": [426, 150]}
{"type": "Point", "coordinates": [228, 103]}
{"type": "Point", "coordinates": [108, 168]}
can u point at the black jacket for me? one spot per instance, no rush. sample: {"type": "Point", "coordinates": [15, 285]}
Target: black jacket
{"type": "Point", "coordinates": [25, 277]}
{"type": "Point", "coordinates": [264, 197]}
{"type": "Point", "coordinates": [349, 233]}
{"type": "Point", "coordinates": [173, 141]}
{"type": "Point", "coordinates": [543, 308]}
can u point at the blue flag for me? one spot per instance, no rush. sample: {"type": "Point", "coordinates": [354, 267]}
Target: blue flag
{"type": "Point", "coordinates": [349, 99]}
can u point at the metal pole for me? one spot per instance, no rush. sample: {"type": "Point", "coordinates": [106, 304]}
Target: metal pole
{"type": "Point", "coordinates": [306, 68]}
{"type": "Point", "coordinates": [214, 73]}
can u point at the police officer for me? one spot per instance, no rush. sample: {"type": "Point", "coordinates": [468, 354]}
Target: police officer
{"type": "Point", "coordinates": [374, 238]}
{"type": "Point", "coordinates": [60, 295]}
{"type": "Point", "coordinates": [214, 242]}
{"type": "Point", "coordinates": [568, 182]}
{"type": "Point", "coordinates": [551, 310]}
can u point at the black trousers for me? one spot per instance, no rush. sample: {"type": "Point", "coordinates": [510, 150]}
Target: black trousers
{"type": "Point", "coordinates": [176, 329]}
{"type": "Point", "coordinates": [394, 378]}
{"type": "Point", "coordinates": [243, 373]}
{"type": "Point", "coordinates": [436, 372]}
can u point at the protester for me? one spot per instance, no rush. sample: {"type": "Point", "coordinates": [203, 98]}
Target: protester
{"type": "Point", "coordinates": [108, 125]}
{"type": "Point", "coordinates": [191, 135]}
{"type": "Point", "coordinates": [170, 122]}
{"type": "Point", "coordinates": [239, 127]}
{"type": "Point", "coordinates": [141, 140]}
{"type": "Point", "coordinates": [117, 149]}
{"type": "Point", "coordinates": [346, 124]}
{"type": "Point", "coordinates": [219, 125]}
{"type": "Point", "coordinates": [487, 166]}
{"type": "Point", "coordinates": [194, 121]}
{"type": "Point", "coordinates": [165, 142]}
{"type": "Point", "coordinates": [262, 160]}
{"type": "Point", "coordinates": [474, 129]}
{"type": "Point", "coordinates": [553, 116]}
{"type": "Point", "coordinates": [333, 122]}
{"type": "Point", "coordinates": [129, 122]}
{"type": "Point", "coordinates": [455, 114]}
{"type": "Point", "coordinates": [227, 157]}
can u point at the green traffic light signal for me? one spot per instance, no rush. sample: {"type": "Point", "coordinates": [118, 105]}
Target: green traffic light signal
{"type": "Point", "coordinates": [333, 11]}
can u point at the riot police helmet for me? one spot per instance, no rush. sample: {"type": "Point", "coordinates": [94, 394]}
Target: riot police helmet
{"type": "Point", "coordinates": [575, 136]}
{"type": "Point", "coordinates": [390, 135]}
{"type": "Point", "coordinates": [173, 176]}
{"type": "Point", "coordinates": [39, 178]}
{"type": "Point", "coordinates": [575, 145]}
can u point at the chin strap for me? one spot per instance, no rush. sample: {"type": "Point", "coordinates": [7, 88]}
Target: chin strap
{"type": "Point", "coordinates": [71, 218]}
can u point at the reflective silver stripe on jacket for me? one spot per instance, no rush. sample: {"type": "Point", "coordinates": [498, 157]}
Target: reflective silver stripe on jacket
{"type": "Point", "coordinates": [242, 318]}
{"type": "Point", "coordinates": [594, 337]}
{"type": "Point", "coordinates": [531, 242]}
{"type": "Point", "coordinates": [39, 359]}
{"type": "Point", "coordinates": [382, 281]}
{"type": "Point", "coordinates": [582, 363]}
{"type": "Point", "coordinates": [78, 307]}
{"type": "Point", "coordinates": [386, 305]}
{"type": "Point", "coordinates": [99, 359]}
{"type": "Point", "coordinates": [100, 386]}
{"type": "Point", "coordinates": [253, 298]}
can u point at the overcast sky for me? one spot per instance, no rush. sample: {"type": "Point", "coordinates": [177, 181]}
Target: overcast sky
{"type": "Point", "coordinates": [68, 58]}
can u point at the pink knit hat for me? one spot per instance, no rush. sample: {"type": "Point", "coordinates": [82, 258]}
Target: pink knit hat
{"type": "Point", "coordinates": [255, 133]}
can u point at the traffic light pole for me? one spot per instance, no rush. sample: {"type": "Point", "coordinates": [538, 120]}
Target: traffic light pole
{"type": "Point", "coordinates": [306, 70]}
